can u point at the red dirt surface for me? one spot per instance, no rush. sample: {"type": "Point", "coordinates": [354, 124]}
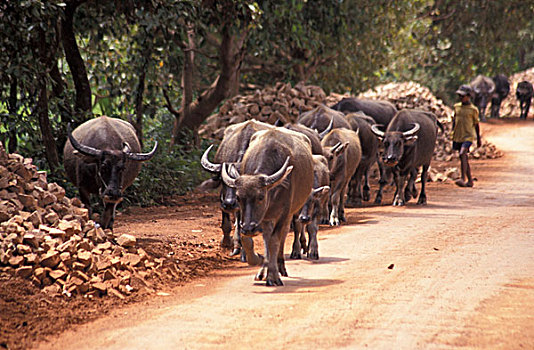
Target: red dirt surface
{"type": "Point", "coordinates": [187, 230]}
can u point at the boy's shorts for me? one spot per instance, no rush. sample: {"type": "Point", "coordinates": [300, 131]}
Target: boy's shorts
{"type": "Point", "coordinates": [459, 145]}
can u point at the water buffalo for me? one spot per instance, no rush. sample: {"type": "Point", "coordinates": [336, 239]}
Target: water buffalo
{"type": "Point", "coordinates": [502, 88]}
{"type": "Point", "coordinates": [343, 152]}
{"type": "Point", "coordinates": [233, 146]}
{"type": "Point", "coordinates": [369, 144]}
{"type": "Point", "coordinates": [321, 117]}
{"type": "Point", "coordinates": [312, 211]}
{"type": "Point", "coordinates": [102, 156]}
{"type": "Point", "coordinates": [524, 94]}
{"type": "Point", "coordinates": [272, 184]}
{"type": "Point", "coordinates": [313, 135]}
{"type": "Point", "coordinates": [483, 88]}
{"type": "Point", "coordinates": [381, 111]}
{"type": "Point", "coordinates": [409, 142]}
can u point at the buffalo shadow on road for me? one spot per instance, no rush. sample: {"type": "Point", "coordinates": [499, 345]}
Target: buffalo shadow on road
{"type": "Point", "coordinates": [295, 284]}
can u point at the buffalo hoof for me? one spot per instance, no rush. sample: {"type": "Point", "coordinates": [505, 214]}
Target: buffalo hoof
{"type": "Point", "coordinates": [342, 218]}
{"type": "Point", "coordinates": [273, 282]}
{"type": "Point", "coordinates": [334, 222]}
{"type": "Point", "coordinates": [283, 271]}
{"type": "Point", "coordinates": [243, 256]}
{"type": "Point", "coordinates": [422, 200]}
{"type": "Point", "coordinates": [227, 242]}
{"type": "Point", "coordinates": [260, 276]}
{"type": "Point", "coordinates": [313, 255]}
{"type": "Point", "coordinates": [398, 202]}
{"type": "Point", "coordinates": [366, 196]}
{"type": "Point", "coordinates": [295, 255]}
{"type": "Point", "coordinates": [235, 252]}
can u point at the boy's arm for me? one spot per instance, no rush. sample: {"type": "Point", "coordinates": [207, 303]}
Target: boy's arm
{"type": "Point", "coordinates": [477, 130]}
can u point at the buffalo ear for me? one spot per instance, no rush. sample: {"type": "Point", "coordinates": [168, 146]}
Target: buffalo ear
{"type": "Point", "coordinates": [339, 150]}
{"type": "Point", "coordinates": [410, 141]}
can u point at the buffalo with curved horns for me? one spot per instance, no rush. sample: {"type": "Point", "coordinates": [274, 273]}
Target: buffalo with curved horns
{"type": "Point", "coordinates": [409, 143]}
{"type": "Point", "coordinates": [102, 156]}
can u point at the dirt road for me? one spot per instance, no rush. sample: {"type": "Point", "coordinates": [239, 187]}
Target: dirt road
{"type": "Point", "coordinates": [461, 275]}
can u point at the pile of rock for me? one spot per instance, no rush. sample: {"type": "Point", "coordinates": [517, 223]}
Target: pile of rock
{"type": "Point", "coordinates": [510, 105]}
{"type": "Point", "coordinates": [49, 238]}
{"type": "Point", "coordinates": [280, 102]}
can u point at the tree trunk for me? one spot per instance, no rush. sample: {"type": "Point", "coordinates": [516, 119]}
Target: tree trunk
{"type": "Point", "coordinates": [75, 61]}
{"type": "Point", "coordinates": [139, 107]}
{"type": "Point", "coordinates": [42, 106]}
{"type": "Point", "coordinates": [12, 108]}
{"type": "Point", "coordinates": [231, 55]}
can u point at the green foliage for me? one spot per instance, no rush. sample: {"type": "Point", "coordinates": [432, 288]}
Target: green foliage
{"type": "Point", "coordinates": [339, 45]}
{"type": "Point", "coordinates": [171, 172]}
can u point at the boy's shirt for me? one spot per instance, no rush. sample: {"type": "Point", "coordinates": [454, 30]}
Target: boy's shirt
{"type": "Point", "coordinates": [466, 117]}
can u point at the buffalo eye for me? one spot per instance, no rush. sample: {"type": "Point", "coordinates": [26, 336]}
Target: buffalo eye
{"type": "Point", "coordinates": [386, 143]}
{"type": "Point", "coordinates": [397, 143]}
{"type": "Point", "coordinates": [261, 197]}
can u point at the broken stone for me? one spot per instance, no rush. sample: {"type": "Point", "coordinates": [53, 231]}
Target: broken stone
{"type": "Point", "coordinates": [126, 240]}
{"type": "Point", "coordinates": [24, 271]}
{"type": "Point", "coordinates": [51, 259]}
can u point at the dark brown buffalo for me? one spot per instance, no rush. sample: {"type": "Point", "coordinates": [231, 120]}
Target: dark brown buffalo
{"type": "Point", "coordinates": [321, 118]}
{"type": "Point", "coordinates": [524, 94]}
{"type": "Point", "coordinates": [341, 148]}
{"type": "Point", "coordinates": [409, 142]}
{"type": "Point", "coordinates": [312, 211]}
{"type": "Point", "coordinates": [483, 88]}
{"type": "Point", "coordinates": [272, 184]}
{"type": "Point", "coordinates": [369, 144]}
{"type": "Point", "coordinates": [502, 89]}
{"type": "Point", "coordinates": [102, 157]}
{"type": "Point", "coordinates": [381, 111]}
{"type": "Point", "coordinates": [233, 146]}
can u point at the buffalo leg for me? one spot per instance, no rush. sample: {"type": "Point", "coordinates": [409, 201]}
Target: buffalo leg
{"type": "Point", "coordinates": [298, 228]}
{"type": "Point", "coordinates": [366, 195]}
{"type": "Point", "coordinates": [226, 227]}
{"type": "Point", "coordinates": [527, 108]}
{"type": "Point", "coordinates": [410, 190]}
{"type": "Point", "coordinates": [400, 180]}
{"type": "Point", "coordinates": [108, 216]}
{"type": "Point", "coordinates": [382, 181]}
{"type": "Point", "coordinates": [272, 239]}
{"type": "Point", "coordinates": [422, 196]}
{"type": "Point", "coordinates": [313, 250]}
{"type": "Point", "coordinates": [342, 217]}
{"type": "Point", "coordinates": [280, 260]}
{"type": "Point", "coordinates": [334, 201]}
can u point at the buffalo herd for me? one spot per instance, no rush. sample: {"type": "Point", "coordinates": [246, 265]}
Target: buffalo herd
{"type": "Point", "coordinates": [276, 177]}
{"type": "Point", "coordinates": [301, 175]}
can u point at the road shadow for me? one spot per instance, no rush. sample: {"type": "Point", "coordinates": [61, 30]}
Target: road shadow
{"type": "Point", "coordinates": [321, 261]}
{"type": "Point", "coordinates": [295, 284]}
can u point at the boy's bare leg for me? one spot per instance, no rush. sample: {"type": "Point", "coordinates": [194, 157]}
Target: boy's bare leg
{"type": "Point", "coordinates": [465, 170]}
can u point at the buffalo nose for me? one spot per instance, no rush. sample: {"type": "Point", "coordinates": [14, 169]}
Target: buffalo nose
{"type": "Point", "coordinates": [249, 229]}
{"type": "Point", "coordinates": [304, 219]}
{"type": "Point", "coordinates": [229, 205]}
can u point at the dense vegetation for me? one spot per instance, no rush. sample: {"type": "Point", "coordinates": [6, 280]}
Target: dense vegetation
{"type": "Point", "coordinates": [166, 65]}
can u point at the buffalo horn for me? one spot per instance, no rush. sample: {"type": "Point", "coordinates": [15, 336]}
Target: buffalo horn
{"type": "Point", "coordinates": [272, 179]}
{"type": "Point", "coordinates": [411, 131]}
{"type": "Point", "coordinates": [376, 130]}
{"type": "Point", "coordinates": [335, 147]}
{"type": "Point", "coordinates": [141, 157]}
{"type": "Point", "coordinates": [227, 179]}
{"type": "Point", "coordinates": [83, 149]}
{"type": "Point", "coordinates": [209, 166]}
{"type": "Point", "coordinates": [327, 130]}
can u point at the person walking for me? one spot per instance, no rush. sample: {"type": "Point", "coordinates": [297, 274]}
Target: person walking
{"type": "Point", "coordinates": [464, 129]}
